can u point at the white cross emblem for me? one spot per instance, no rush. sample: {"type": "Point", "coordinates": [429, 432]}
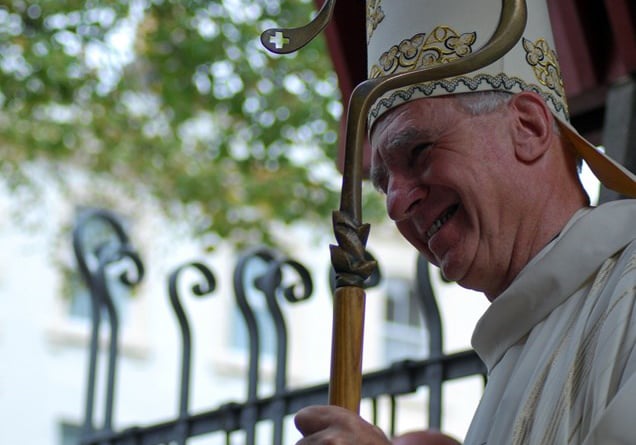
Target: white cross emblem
{"type": "Point", "coordinates": [278, 39]}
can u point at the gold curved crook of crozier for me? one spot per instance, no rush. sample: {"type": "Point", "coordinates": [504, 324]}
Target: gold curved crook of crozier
{"type": "Point", "coordinates": [288, 40]}
{"type": "Point", "coordinates": [511, 25]}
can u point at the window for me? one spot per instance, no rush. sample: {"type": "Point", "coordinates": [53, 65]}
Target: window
{"type": "Point", "coordinates": [72, 323]}
{"type": "Point", "coordinates": [69, 434]}
{"type": "Point", "coordinates": [80, 305]}
{"type": "Point", "coordinates": [239, 337]}
{"type": "Point", "coordinates": [404, 333]}
{"type": "Point", "coordinates": [95, 233]}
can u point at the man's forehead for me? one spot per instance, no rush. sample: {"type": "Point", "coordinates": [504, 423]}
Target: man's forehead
{"type": "Point", "coordinates": [391, 145]}
{"type": "Point", "coordinates": [414, 120]}
{"type": "Point", "coordinates": [398, 138]}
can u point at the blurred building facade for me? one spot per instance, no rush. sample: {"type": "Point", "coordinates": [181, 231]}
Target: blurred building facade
{"type": "Point", "coordinates": [45, 326]}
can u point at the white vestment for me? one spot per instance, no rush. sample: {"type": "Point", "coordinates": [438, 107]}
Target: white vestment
{"type": "Point", "coordinates": [559, 343]}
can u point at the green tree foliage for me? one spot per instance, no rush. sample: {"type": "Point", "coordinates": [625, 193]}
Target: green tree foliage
{"type": "Point", "coordinates": [192, 110]}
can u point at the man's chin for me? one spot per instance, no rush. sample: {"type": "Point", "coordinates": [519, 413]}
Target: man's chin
{"type": "Point", "coordinates": [450, 271]}
{"type": "Point", "coordinates": [448, 274]}
{"type": "Point", "coordinates": [453, 271]}
{"type": "Point", "coordinates": [451, 276]}
{"type": "Point", "coordinates": [429, 257]}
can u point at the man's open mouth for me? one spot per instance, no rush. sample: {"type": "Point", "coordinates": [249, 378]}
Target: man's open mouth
{"type": "Point", "coordinates": [439, 222]}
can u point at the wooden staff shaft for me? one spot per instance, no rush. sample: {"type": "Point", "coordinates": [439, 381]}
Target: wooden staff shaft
{"type": "Point", "coordinates": [345, 382]}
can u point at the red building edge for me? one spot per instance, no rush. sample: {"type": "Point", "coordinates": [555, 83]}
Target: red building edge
{"type": "Point", "coordinates": [595, 40]}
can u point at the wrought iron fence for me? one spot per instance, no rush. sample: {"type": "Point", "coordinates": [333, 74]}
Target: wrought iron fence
{"type": "Point", "coordinates": [401, 378]}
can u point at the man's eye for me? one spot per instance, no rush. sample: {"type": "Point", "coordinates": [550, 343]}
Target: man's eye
{"type": "Point", "coordinates": [419, 149]}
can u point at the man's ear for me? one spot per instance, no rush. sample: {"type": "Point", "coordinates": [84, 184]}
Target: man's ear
{"type": "Point", "coordinates": [532, 126]}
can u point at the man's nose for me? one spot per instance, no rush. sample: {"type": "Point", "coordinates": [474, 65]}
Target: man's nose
{"type": "Point", "coordinates": [403, 197]}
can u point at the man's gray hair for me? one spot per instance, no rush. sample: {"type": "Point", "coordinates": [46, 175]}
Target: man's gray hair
{"type": "Point", "coordinates": [484, 102]}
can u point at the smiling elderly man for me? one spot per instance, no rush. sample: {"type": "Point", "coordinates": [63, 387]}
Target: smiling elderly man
{"type": "Point", "coordinates": [480, 173]}
{"type": "Point", "coordinates": [457, 183]}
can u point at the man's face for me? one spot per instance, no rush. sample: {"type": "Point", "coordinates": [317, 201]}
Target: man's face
{"type": "Point", "coordinates": [446, 175]}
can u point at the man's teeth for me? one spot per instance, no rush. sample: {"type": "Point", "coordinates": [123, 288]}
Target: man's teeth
{"type": "Point", "coordinates": [439, 222]}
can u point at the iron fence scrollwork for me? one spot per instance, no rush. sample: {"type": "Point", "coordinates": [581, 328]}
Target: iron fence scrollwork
{"type": "Point", "coordinates": [93, 262]}
{"type": "Point", "coordinates": [261, 276]}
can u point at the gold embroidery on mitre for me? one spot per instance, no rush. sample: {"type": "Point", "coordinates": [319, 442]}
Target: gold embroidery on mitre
{"type": "Point", "coordinates": [442, 45]}
{"type": "Point", "coordinates": [466, 83]}
{"type": "Point", "coordinates": [375, 15]}
{"type": "Point", "coordinates": [545, 65]}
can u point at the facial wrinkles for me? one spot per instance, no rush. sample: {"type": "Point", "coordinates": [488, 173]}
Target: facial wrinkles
{"type": "Point", "coordinates": [405, 139]}
{"type": "Point", "coordinates": [492, 261]}
{"type": "Point", "coordinates": [379, 175]}
{"type": "Point", "coordinates": [497, 220]}
{"type": "Point", "coordinates": [395, 152]}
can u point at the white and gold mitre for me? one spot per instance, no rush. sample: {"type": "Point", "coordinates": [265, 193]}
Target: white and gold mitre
{"type": "Point", "coordinates": [409, 35]}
